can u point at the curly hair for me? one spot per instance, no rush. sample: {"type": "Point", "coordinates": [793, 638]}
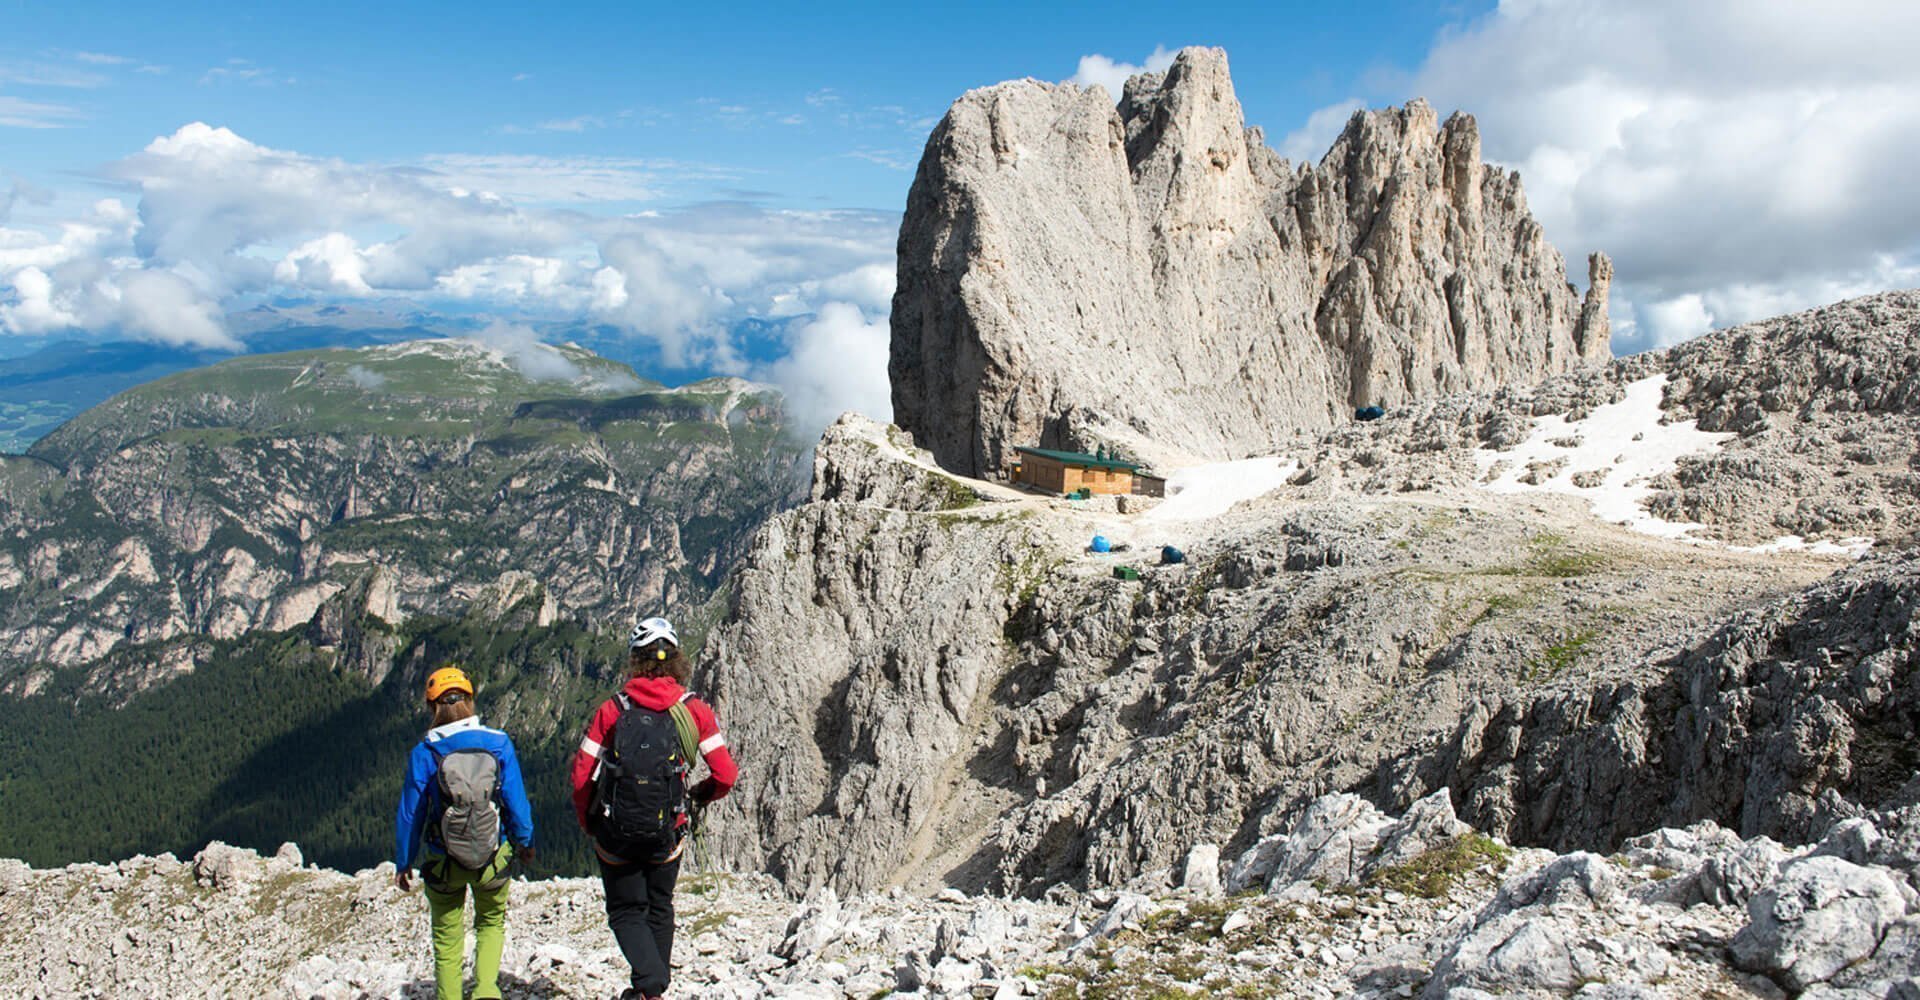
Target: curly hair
{"type": "Point", "coordinates": [645, 661]}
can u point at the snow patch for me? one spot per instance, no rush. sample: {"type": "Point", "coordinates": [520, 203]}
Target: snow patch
{"type": "Point", "coordinates": [1610, 458]}
{"type": "Point", "coordinates": [442, 347]}
{"type": "Point", "coordinates": [1855, 547]}
{"type": "Point", "coordinates": [510, 350]}
{"type": "Point", "coordinates": [1206, 491]}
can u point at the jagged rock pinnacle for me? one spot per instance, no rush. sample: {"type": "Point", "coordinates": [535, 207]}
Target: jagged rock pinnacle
{"type": "Point", "coordinates": [1153, 275]}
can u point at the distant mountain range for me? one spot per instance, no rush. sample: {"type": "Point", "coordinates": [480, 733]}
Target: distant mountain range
{"type": "Point", "coordinates": [53, 380]}
{"type": "Point", "coordinates": [43, 390]}
{"type": "Point", "coordinates": [257, 558]}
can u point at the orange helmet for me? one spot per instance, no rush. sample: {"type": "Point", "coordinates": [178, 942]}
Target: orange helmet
{"type": "Point", "coordinates": [447, 679]}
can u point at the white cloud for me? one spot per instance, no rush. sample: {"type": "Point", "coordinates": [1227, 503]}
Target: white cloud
{"type": "Point", "coordinates": [34, 309]}
{"type": "Point", "coordinates": [523, 349]}
{"type": "Point", "coordinates": [18, 113]}
{"type": "Point", "coordinates": [1736, 159]}
{"type": "Point", "coordinates": [869, 286]}
{"type": "Point", "coordinates": [49, 75]}
{"type": "Point", "coordinates": [166, 307]}
{"type": "Point", "coordinates": [82, 278]}
{"type": "Point", "coordinates": [220, 220]}
{"type": "Point", "coordinates": [836, 361]}
{"type": "Point", "coordinates": [1099, 69]}
{"type": "Point", "coordinates": [609, 290]}
{"type": "Point", "coordinates": [1310, 142]}
{"type": "Point", "coordinates": [243, 71]}
{"type": "Point", "coordinates": [210, 200]}
{"type": "Point", "coordinates": [665, 297]}
{"type": "Point", "coordinates": [552, 180]}
{"type": "Point", "coordinates": [366, 378]}
{"type": "Point", "coordinates": [546, 283]}
{"type": "Point", "coordinates": [331, 263]}
{"type": "Point", "coordinates": [1677, 319]}
{"type": "Point", "coordinates": [578, 123]}
{"type": "Point", "coordinates": [892, 159]}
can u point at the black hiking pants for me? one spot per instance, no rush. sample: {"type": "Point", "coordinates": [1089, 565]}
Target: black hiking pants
{"type": "Point", "coordinates": [640, 911]}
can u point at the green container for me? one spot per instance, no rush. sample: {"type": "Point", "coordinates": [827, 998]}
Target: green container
{"type": "Point", "coordinates": [1125, 573]}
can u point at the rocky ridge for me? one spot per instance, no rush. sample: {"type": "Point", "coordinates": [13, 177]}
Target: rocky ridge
{"type": "Point", "coordinates": [978, 702]}
{"type": "Point", "coordinates": [1154, 276]}
{"type": "Point", "coordinates": [1820, 410]}
{"type": "Point", "coordinates": [1347, 902]}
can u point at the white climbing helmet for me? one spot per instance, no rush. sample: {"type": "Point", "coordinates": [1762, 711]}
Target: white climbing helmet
{"type": "Point", "coordinates": [651, 629]}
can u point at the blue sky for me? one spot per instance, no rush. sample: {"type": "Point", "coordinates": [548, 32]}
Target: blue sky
{"type": "Point", "coordinates": [680, 175]}
{"type": "Point", "coordinates": [804, 107]}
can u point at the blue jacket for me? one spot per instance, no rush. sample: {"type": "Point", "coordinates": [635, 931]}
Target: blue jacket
{"type": "Point", "coordinates": [420, 794]}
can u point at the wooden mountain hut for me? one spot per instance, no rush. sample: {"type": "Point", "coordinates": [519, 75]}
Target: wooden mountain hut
{"type": "Point", "coordinates": [1072, 471]}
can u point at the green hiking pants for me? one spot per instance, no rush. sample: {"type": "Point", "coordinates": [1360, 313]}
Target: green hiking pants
{"type": "Point", "coordinates": [446, 885]}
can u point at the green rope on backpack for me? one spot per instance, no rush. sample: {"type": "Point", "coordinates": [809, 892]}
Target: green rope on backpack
{"type": "Point", "coordinates": [689, 749]}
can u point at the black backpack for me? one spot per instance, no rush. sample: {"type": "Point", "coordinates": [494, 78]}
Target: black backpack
{"type": "Point", "coordinates": [642, 792]}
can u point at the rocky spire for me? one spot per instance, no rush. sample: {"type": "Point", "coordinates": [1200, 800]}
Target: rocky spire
{"type": "Point", "coordinates": [1155, 276]}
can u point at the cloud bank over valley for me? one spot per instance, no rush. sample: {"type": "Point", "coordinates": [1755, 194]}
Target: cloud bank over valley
{"type": "Point", "coordinates": [210, 221]}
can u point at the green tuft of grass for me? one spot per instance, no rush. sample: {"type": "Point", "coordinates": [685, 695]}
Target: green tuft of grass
{"type": "Point", "coordinates": [1549, 555]}
{"type": "Point", "coordinates": [709, 921]}
{"type": "Point", "coordinates": [1566, 563]}
{"type": "Point", "coordinates": [704, 884]}
{"type": "Point", "coordinates": [1555, 659]}
{"type": "Point", "coordinates": [1434, 873]}
{"type": "Point", "coordinates": [958, 496]}
{"type": "Point", "coordinates": [1497, 604]}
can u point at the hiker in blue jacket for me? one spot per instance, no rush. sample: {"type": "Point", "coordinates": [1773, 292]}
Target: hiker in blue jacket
{"type": "Point", "coordinates": [463, 798]}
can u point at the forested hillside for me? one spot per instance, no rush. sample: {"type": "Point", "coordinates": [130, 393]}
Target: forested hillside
{"type": "Point", "coordinates": [224, 589]}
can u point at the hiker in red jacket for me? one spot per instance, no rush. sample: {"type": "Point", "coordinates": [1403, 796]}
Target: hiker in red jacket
{"type": "Point", "coordinates": [630, 792]}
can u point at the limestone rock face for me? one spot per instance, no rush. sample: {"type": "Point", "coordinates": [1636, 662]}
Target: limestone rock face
{"type": "Point", "coordinates": [1755, 725]}
{"type": "Point", "coordinates": [1154, 276]}
{"type": "Point", "coordinates": [859, 461]}
{"type": "Point", "coordinates": [1824, 916]}
{"type": "Point", "coordinates": [844, 652]}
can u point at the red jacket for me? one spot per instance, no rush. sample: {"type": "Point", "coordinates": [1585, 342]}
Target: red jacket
{"type": "Point", "coordinates": [659, 694]}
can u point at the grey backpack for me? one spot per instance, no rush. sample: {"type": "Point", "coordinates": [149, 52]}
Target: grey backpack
{"type": "Point", "coordinates": [469, 820]}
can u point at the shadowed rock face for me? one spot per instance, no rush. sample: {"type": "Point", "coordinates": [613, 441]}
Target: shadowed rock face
{"type": "Point", "coordinates": [1154, 276]}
